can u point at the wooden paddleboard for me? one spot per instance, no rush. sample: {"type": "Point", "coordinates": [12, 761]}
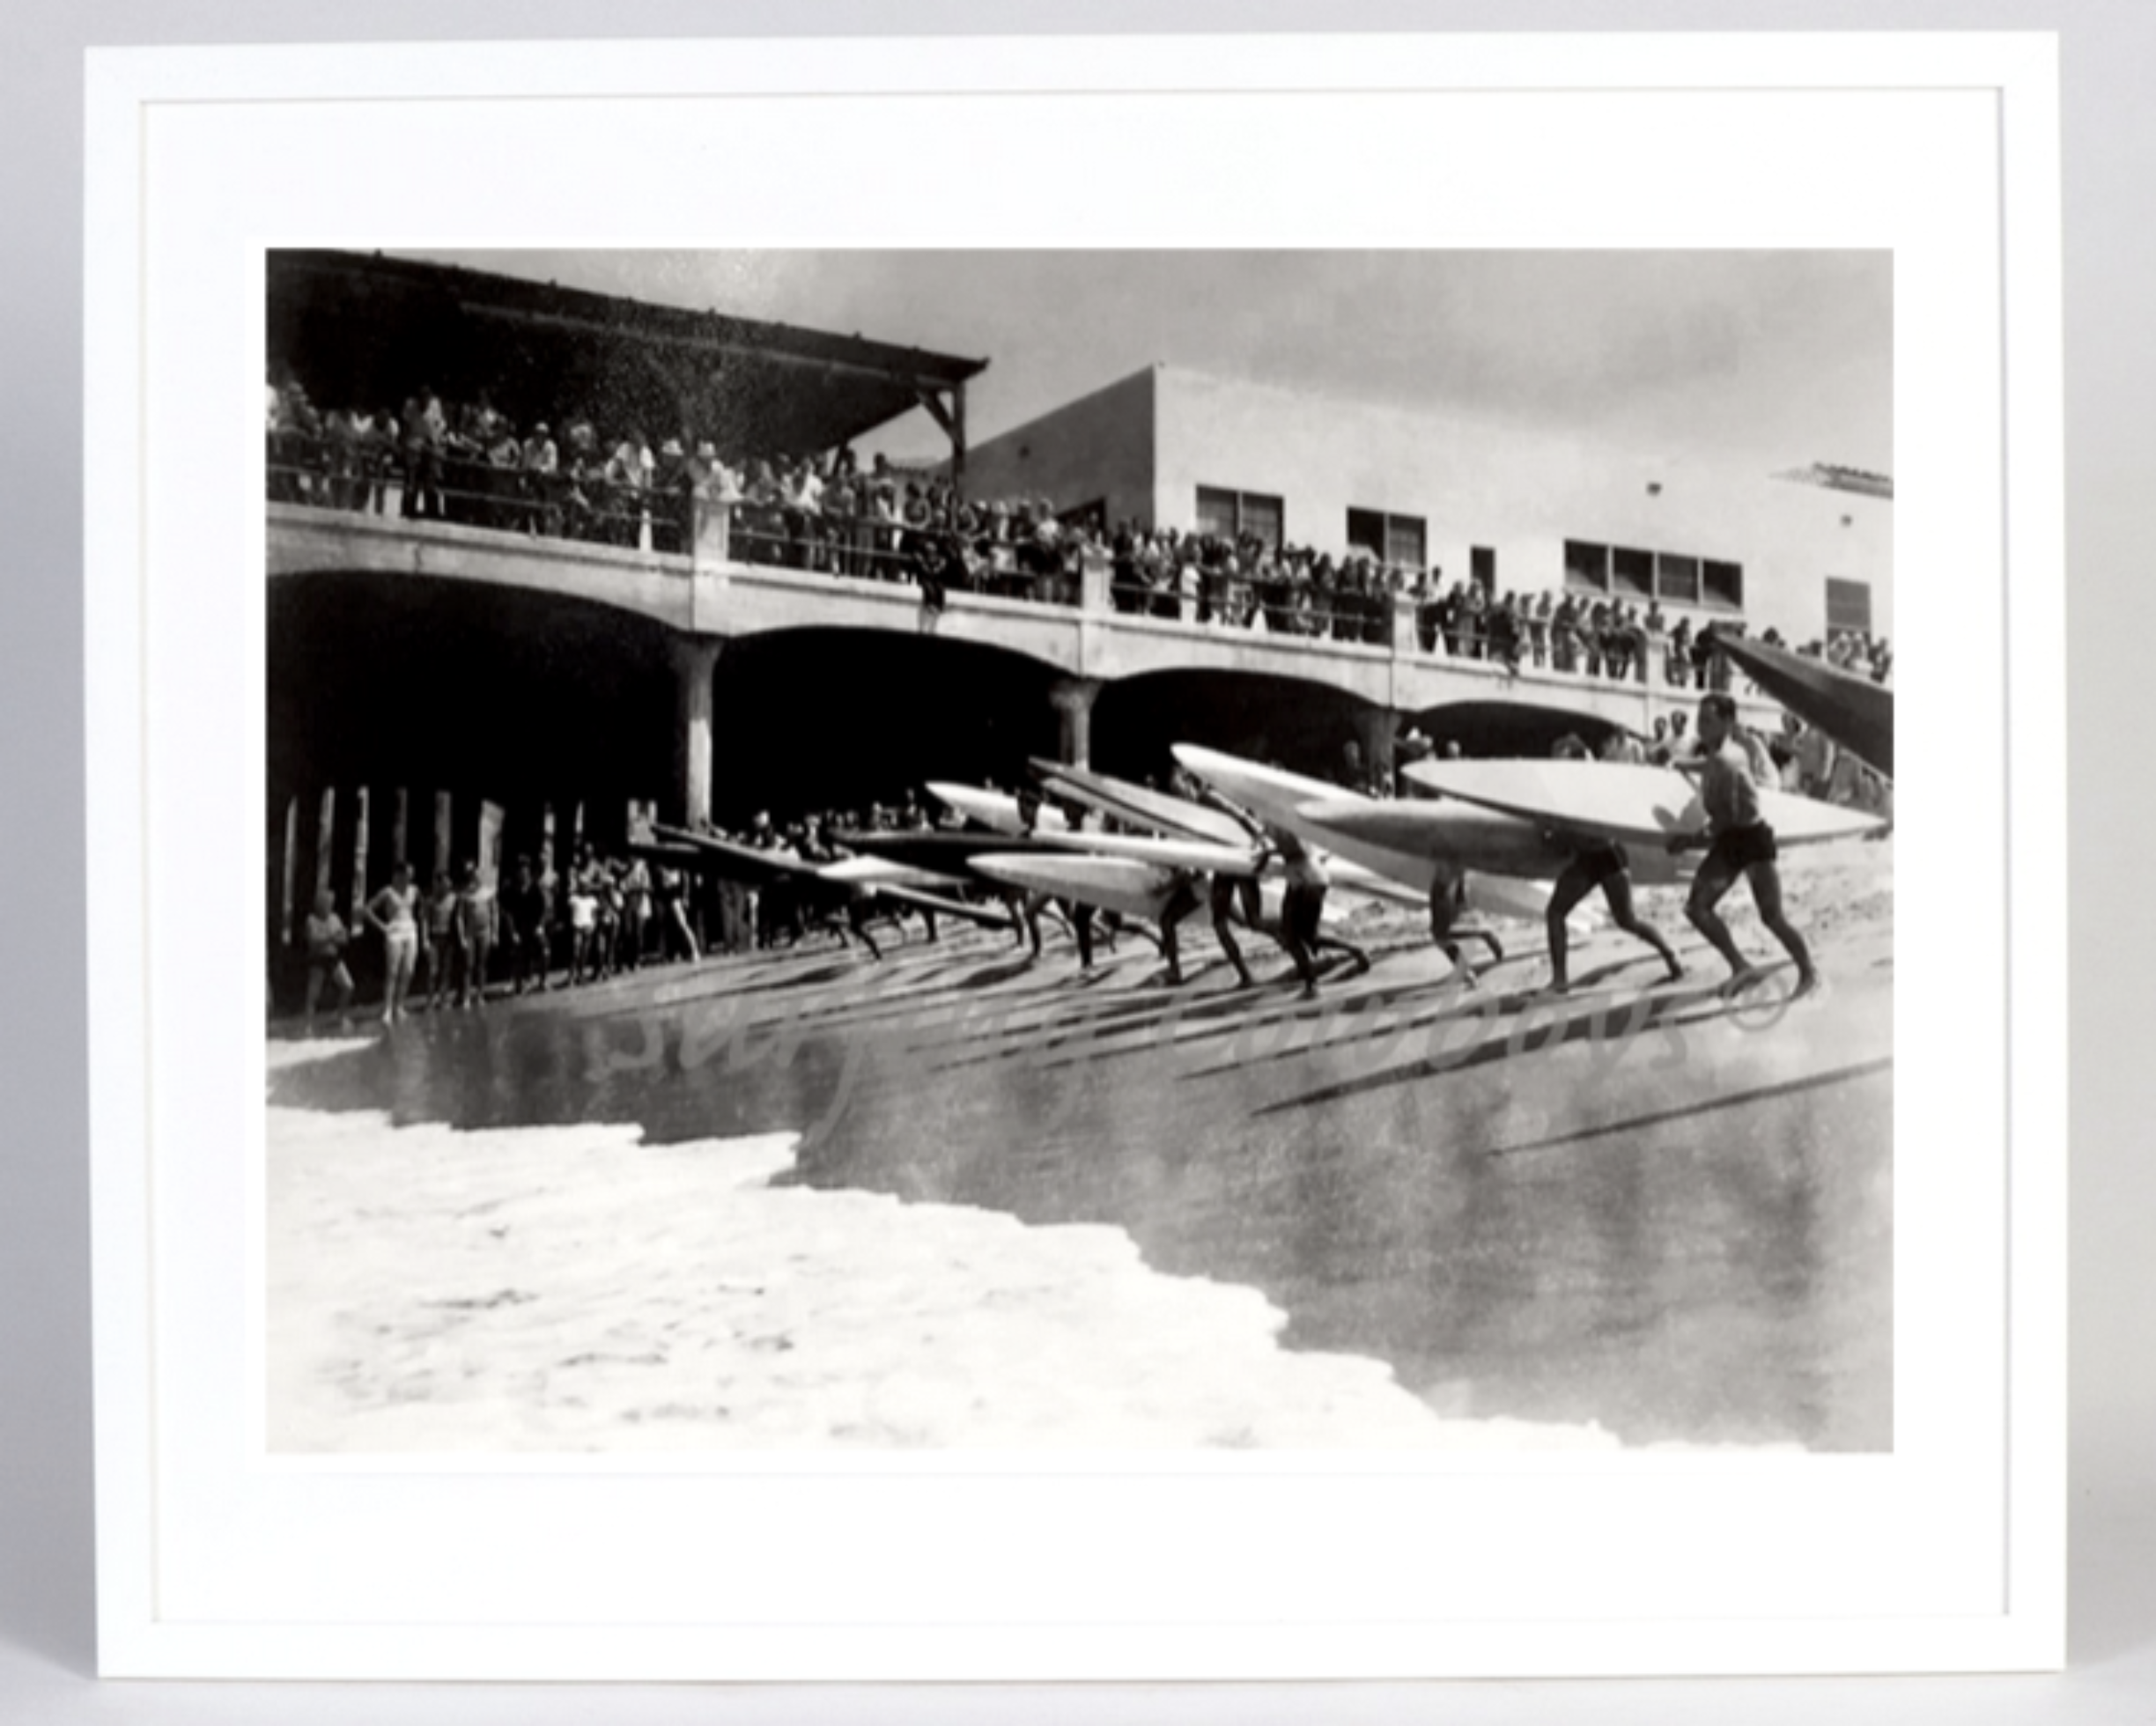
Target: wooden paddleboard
{"type": "Point", "coordinates": [1123, 884]}
{"type": "Point", "coordinates": [1855, 712]}
{"type": "Point", "coordinates": [724, 857]}
{"type": "Point", "coordinates": [880, 872]}
{"type": "Point", "coordinates": [1196, 855]}
{"type": "Point", "coordinates": [948, 856]}
{"type": "Point", "coordinates": [996, 810]}
{"type": "Point", "coordinates": [1140, 805]}
{"type": "Point", "coordinates": [1506, 846]}
{"type": "Point", "coordinates": [1635, 805]}
{"type": "Point", "coordinates": [1465, 834]}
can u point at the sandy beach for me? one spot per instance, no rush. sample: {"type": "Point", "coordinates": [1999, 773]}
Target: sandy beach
{"type": "Point", "coordinates": [450, 1271]}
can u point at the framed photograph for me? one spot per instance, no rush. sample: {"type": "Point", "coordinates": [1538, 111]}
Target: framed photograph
{"type": "Point", "coordinates": [1024, 859]}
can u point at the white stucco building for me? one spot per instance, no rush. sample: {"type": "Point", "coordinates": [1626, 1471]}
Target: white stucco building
{"type": "Point", "coordinates": [1517, 507]}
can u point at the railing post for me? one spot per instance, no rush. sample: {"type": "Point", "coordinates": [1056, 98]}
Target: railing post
{"type": "Point", "coordinates": [714, 526]}
{"type": "Point", "coordinates": [1094, 573]}
{"type": "Point", "coordinates": [1071, 698]}
{"type": "Point", "coordinates": [1406, 620]}
{"type": "Point", "coordinates": [696, 661]}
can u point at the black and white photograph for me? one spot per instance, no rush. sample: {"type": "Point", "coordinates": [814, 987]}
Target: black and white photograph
{"type": "Point", "coordinates": [1100, 849]}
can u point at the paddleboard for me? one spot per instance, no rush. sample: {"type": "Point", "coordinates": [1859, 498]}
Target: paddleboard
{"type": "Point", "coordinates": [989, 916]}
{"type": "Point", "coordinates": [948, 856]}
{"type": "Point", "coordinates": [745, 862]}
{"type": "Point", "coordinates": [1468, 836]}
{"type": "Point", "coordinates": [1197, 855]}
{"type": "Point", "coordinates": [1125, 884]}
{"type": "Point", "coordinates": [996, 810]}
{"type": "Point", "coordinates": [880, 872]}
{"type": "Point", "coordinates": [1137, 889]}
{"type": "Point", "coordinates": [1855, 712]}
{"type": "Point", "coordinates": [999, 811]}
{"type": "Point", "coordinates": [1140, 805]}
{"type": "Point", "coordinates": [1504, 847]}
{"type": "Point", "coordinates": [1638, 805]}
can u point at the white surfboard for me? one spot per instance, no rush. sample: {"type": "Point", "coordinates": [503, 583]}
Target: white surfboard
{"type": "Point", "coordinates": [997, 810]}
{"type": "Point", "coordinates": [1125, 884]}
{"type": "Point", "coordinates": [880, 872]}
{"type": "Point", "coordinates": [1197, 855]}
{"type": "Point", "coordinates": [1484, 850]}
{"type": "Point", "coordinates": [1443, 829]}
{"type": "Point", "coordinates": [1140, 805]}
{"type": "Point", "coordinates": [1635, 805]}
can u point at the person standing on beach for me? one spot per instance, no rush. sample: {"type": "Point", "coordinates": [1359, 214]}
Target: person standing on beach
{"type": "Point", "coordinates": [527, 927]}
{"type": "Point", "coordinates": [478, 922]}
{"type": "Point", "coordinates": [439, 938]}
{"type": "Point", "coordinates": [583, 903]}
{"type": "Point", "coordinates": [394, 914]}
{"type": "Point", "coordinates": [1601, 863]}
{"type": "Point", "coordinates": [326, 939]}
{"type": "Point", "coordinates": [1739, 842]}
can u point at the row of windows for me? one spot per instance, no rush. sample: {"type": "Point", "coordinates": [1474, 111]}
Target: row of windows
{"type": "Point", "coordinates": [1627, 572]}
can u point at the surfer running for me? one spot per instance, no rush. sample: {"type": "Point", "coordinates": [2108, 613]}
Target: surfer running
{"type": "Point", "coordinates": [1303, 909]}
{"type": "Point", "coordinates": [1227, 895]}
{"type": "Point", "coordinates": [1025, 907]}
{"type": "Point", "coordinates": [1448, 899]}
{"type": "Point", "coordinates": [1739, 842]}
{"type": "Point", "coordinates": [1595, 863]}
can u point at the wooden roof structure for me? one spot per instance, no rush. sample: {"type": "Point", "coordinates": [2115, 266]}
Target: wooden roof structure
{"type": "Point", "coordinates": [363, 330]}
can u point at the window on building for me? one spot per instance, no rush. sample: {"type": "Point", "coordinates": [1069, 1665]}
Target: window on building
{"type": "Point", "coordinates": [1230, 514]}
{"type": "Point", "coordinates": [1722, 585]}
{"type": "Point", "coordinates": [1392, 539]}
{"type": "Point", "coordinates": [1632, 573]}
{"type": "Point", "coordinates": [1849, 607]}
{"type": "Point", "coordinates": [1586, 565]}
{"type": "Point", "coordinates": [1482, 569]}
{"type": "Point", "coordinates": [1676, 578]}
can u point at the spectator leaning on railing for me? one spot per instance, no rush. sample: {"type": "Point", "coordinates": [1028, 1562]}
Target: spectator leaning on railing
{"type": "Point", "coordinates": [823, 513]}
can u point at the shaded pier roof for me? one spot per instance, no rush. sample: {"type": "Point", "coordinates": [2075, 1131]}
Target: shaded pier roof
{"type": "Point", "coordinates": [366, 330]}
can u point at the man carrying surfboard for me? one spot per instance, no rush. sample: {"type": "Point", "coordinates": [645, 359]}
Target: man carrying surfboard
{"type": "Point", "coordinates": [1598, 863]}
{"type": "Point", "coordinates": [1738, 842]}
{"type": "Point", "coordinates": [1303, 909]}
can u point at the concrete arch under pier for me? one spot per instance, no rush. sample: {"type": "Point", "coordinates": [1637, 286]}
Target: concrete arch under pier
{"type": "Point", "coordinates": [841, 716]}
{"type": "Point", "coordinates": [1509, 727]}
{"type": "Point", "coordinates": [1303, 723]}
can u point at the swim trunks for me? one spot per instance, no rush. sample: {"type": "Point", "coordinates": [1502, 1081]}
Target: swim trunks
{"type": "Point", "coordinates": [1738, 848]}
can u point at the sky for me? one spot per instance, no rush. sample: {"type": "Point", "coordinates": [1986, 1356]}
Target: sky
{"type": "Point", "coordinates": [1781, 358]}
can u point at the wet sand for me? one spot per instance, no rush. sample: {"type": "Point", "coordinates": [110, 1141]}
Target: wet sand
{"type": "Point", "coordinates": [803, 1199]}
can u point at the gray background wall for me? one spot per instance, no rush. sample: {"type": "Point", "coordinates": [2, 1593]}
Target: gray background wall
{"type": "Point", "coordinates": [46, 1647]}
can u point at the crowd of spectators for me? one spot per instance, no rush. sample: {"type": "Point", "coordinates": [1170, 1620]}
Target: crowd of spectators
{"type": "Point", "coordinates": [1856, 652]}
{"type": "Point", "coordinates": [426, 459]}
